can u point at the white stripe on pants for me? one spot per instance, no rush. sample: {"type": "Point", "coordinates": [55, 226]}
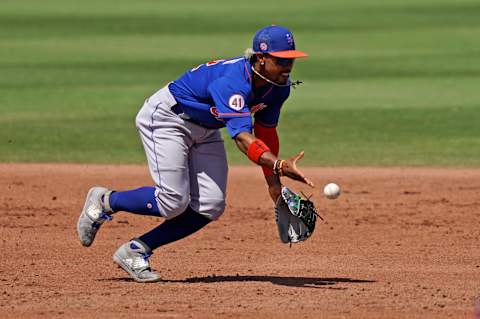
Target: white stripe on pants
{"type": "Point", "coordinates": [187, 162]}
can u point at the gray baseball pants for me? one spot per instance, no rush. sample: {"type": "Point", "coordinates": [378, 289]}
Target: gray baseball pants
{"type": "Point", "coordinates": [187, 161]}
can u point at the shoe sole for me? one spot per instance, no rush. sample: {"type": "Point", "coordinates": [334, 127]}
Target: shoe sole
{"type": "Point", "coordinates": [84, 210]}
{"type": "Point", "coordinates": [122, 265]}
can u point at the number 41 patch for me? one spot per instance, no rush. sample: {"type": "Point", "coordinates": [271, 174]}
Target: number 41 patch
{"type": "Point", "coordinates": [236, 102]}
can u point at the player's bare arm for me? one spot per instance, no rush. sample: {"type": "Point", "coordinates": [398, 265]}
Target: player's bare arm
{"type": "Point", "coordinates": [281, 167]}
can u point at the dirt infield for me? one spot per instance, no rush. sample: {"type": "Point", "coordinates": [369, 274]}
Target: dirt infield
{"type": "Point", "coordinates": [398, 243]}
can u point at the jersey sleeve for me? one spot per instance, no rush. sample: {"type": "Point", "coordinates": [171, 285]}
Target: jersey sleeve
{"type": "Point", "coordinates": [230, 100]}
{"type": "Point", "coordinates": [269, 116]}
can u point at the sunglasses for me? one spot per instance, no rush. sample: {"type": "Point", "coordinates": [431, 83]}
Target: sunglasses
{"type": "Point", "coordinates": [282, 61]}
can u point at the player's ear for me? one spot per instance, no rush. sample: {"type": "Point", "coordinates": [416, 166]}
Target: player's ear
{"type": "Point", "coordinates": [261, 58]}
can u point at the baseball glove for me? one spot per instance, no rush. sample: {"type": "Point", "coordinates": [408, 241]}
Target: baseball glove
{"type": "Point", "coordinates": [295, 216]}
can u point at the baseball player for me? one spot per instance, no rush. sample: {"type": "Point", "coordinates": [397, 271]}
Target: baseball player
{"type": "Point", "coordinates": [179, 128]}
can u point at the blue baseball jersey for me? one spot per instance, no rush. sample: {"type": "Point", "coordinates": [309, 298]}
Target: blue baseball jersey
{"type": "Point", "coordinates": [221, 94]}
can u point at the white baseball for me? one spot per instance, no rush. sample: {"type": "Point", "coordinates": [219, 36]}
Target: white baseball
{"type": "Point", "coordinates": [331, 191]}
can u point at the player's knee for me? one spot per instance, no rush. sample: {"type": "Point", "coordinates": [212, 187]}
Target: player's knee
{"type": "Point", "coordinates": [171, 203]}
{"type": "Point", "coordinates": [217, 209]}
{"type": "Point", "coordinates": [212, 208]}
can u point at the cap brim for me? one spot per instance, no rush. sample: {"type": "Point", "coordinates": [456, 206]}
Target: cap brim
{"type": "Point", "coordinates": [290, 54]}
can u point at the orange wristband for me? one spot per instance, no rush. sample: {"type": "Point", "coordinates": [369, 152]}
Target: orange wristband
{"type": "Point", "coordinates": [256, 149]}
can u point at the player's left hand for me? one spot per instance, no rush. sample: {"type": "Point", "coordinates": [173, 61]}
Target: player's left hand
{"type": "Point", "coordinates": [295, 216]}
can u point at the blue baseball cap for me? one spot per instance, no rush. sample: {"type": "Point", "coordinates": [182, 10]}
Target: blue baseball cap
{"type": "Point", "coordinates": [277, 41]}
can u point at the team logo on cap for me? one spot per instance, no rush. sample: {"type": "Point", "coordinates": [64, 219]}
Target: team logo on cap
{"type": "Point", "coordinates": [289, 39]}
{"type": "Point", "coordinates": [263, 46]}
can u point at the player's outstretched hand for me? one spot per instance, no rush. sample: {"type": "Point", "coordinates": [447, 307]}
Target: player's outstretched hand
{"type": "Point", "coordinates": [289, 169]}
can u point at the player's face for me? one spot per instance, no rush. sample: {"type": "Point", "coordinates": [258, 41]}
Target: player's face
{"type": "Point", "coordinates": [278, 69]}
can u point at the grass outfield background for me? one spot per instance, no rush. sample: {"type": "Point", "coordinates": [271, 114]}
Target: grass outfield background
{"type": "Point", "coordinates": [387, 82]}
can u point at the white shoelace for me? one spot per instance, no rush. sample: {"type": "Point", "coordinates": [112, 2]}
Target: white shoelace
{"type": "Point", "coordinates": [140, 262]}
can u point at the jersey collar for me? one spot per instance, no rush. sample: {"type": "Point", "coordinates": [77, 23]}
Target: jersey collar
{"type": "Point", "coordinates": [248, 72]}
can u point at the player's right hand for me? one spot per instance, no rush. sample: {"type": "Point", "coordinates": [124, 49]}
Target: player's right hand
{"type": "Point", "coordinates": [289, 169]}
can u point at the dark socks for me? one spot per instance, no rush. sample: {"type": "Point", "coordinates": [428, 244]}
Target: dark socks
{"type": "Point", "coordinates": [139, 201]}
{"type": "Point", "coordinates": [174, 229]}
{"type": "Point", "coordinates": [142, 201]}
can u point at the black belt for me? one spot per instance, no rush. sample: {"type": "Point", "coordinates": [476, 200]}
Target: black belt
{"type": "Point", "coordinates": [178, 109]}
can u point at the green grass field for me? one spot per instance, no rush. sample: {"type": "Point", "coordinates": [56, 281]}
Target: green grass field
{"type": "Point", "coordinates": [387, 82]}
